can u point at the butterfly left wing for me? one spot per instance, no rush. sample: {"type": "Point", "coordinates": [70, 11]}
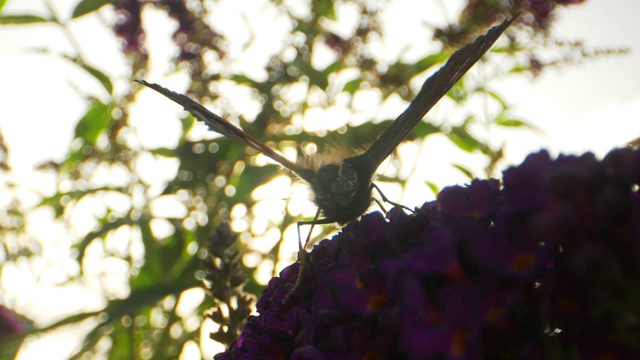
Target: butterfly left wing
{"type": "Point", "coordinates": [222, 126]}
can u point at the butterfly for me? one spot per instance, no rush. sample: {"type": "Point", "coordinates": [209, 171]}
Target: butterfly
{"type": "Point", "coordinates": [342, 188]}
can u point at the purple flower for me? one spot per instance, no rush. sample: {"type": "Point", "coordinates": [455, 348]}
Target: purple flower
{"type": "Point", "coordinates": [547, 265]}
{"type": "Point", "coordinates": [128, 27]}
{"type": "Point", "coordinates": [10, 324]}
{"type": "Point", "coordinates": [542, 9]}
{"type": "Point", "coordinates": [191, 36]}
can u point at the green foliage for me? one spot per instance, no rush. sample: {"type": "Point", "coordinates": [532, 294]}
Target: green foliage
{"type": "Point", "coordinates": [99, 75]}
{"type": "Point", "coordinates": [463, 139]}
{"type": "Point", "coordinates": [93, 123]}
{"type": "Point", "coordinates": [433, 187]}
{"type": "Point", "coordinates": [21, 19]}
{"type": "Point", "coordinates": [87, 6]}
{"type": "Point", "coordinates": [216, 176]}
{"type": "Point", "coordinates": [468, 173]}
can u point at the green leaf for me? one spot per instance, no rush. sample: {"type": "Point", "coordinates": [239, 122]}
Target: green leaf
{"type": "Point", "coordinates": [123, 343]}
{"type": "Point", "coordinates": [424, 129]}
{"type": "Point", "coordinates": [503, 119]}
{"type": "Point", "coordinates": [104, 79]}
{"type": "Point", "coordinates": [458, 91]}
{"type": "Point", "coordinates": [352, 86]}
{"type": "Point", "coordinates": [2, 4]}
{"type": "Point", "coordinates": [318, 78]}
{"type": "Point", "coordinates": [400, 72]}
{"type": "Point", "coordinates": [428, 61]}
{"type": "Point", "coordinates": [434, 188]}
{"type": "Point", "coordinates": [104, 229]}
{"type": "Point", "coordinates": [99, 75]}
{"type": "Point", "coordinates": [324, 9]}
{"type": "Point", "coordinates": [242, 79]}
{"type": "Point", "coordinates": [465, 171]}
{"type": "Point", "coordinates": [139, 299]}
{"type": "Point", "coordinates": [164, 152]}
{"type": "Point", "coordinates": [510, 122]}
{"type": "Point", "coordinates": [87, 6]}
{"type": "Point", "coordinates": [463, 139]}
{"type": "Point", "coordinates": [333, 68]}
{"type": "Point", "coordinates": [518, 69]}
{"type": "Point", "coordinates": [93, 123]}
{"type": "Point", "coordinates": [153, 268]}
{"type": "Point", "coordinates": [21, 19]}
{"type": "Point", "coordinates": [498, 98]}
{"type": "Point", "coordinates": [54, 203]}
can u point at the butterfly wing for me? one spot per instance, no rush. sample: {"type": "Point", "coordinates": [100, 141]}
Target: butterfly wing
{"type": "Point", "coordinates": [222, 126]}
{"type": "Point", "coordinates": [434, 88]}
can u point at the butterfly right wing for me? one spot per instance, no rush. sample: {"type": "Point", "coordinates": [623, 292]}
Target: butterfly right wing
{"type": "Point", "coordinates": [434, 88]}
{"type": "Point", "coordinates": [222, 126]}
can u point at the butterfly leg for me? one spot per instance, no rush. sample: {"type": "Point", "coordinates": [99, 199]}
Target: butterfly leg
{"type": "Point", "coordinates": [302, 253]}
{"type": "Point", "coordinates": [385, 199]}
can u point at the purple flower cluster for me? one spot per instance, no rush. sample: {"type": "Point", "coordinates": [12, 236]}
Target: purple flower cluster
{"type": "Point", "coordinates": [192, 33]}
{"type": "Point", "coordinates": [128, 27]}
{"type": "Point", "coordinates": [546, 266]}
{"type": "Point", "coordinates": [480, 14]}
{"type": "Point", "coordinates": [10, 324]}
{"type": "Point", "coordinates": [542, 9]}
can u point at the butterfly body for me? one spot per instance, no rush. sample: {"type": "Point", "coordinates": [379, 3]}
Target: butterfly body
{"type": "Point", "coordinates": [343, 192]}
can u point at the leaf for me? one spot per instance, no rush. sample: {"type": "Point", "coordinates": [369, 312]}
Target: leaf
{"type": "Point", "coordinates": [463, 139]}
{"type": "Point", "coordinates": [102, 78]}
{"type": "Point", "coordinates": [116, 309]}
{"type": "Point", "coordinates": [99, 75]}
{"type": "Point", "coordinates": [424, 129]}
{"type": "Point", "coordinates": [503, 119]}
{"type": "Point", "coordinates": [141, 298]}
{"type": "Point", "coordinates": [465, 171]}
{"type": "Point", "coordinates": [2, 4]}
{"type": "Point", "coordinates": [318, 78]}
{"type": "Point", "coordinates": [153, 268]}
{"type": "Point", "coordinates": [510, 122]}
{"type": "Point", "coordinates": [87, 6]}
{"type": "Point", "coordinates": [434, 188]}
{"type": "Point", "coordinates": [458, 91]}
{"type": "Point", "coordinates": [242, 79]}
{"type": "Point", "coordinates": [352, 85]}
{"type": "Point", "coordinates": [428, 61]}
{"type": "Point", "coordinates": [123, 343]}
{"type": "Point", "coordinates": [518, 69]}
{"type": "Point", "coordinates": [324, 9]}
{"type": "Point", "coordinates": [104, 229]}
{"type": "Point", "coordinates": [400, 72]}
{"type": "Point", "coordinates": [498, 98]}
{"type": "Point", "coordinates": [164, 152]}
{"type": "Point", "coordinates": [21, 19]}
{"type": "Point", "coordinates": [93, 123]}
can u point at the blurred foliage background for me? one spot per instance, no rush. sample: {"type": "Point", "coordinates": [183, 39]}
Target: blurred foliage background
{"type": "Point", "coordinates": [324, 77]}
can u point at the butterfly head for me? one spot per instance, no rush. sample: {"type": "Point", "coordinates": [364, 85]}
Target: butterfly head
{"type": "Point", "coordinates": [343, 191]}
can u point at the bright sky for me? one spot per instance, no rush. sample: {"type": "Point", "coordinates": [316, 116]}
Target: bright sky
{"type": "Point", "coordinates": [591, 107]}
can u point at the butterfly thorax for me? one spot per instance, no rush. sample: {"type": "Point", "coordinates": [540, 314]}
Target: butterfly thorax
{"type": "Point", "coordinates": [343, 192]}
